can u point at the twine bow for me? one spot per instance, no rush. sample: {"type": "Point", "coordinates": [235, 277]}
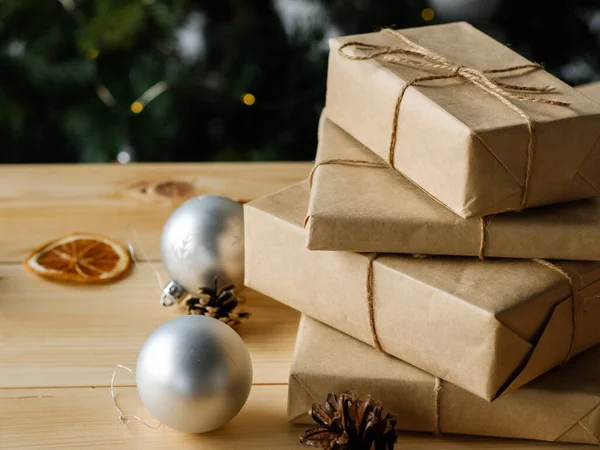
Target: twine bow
{"type": "Point", "coordinates": [418, 57]}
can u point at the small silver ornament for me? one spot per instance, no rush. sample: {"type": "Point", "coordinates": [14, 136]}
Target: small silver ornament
{"type": "Point", "coordinates": [202, 240]}
{"type": "Point", "coordinates": [194, 374]}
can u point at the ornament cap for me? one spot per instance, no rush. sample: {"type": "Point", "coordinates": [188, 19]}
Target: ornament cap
{"type": "Point", "coordinates": [172, 293]}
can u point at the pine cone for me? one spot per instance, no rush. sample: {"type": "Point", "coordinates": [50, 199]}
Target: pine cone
{"type": "Point", "coordinates": [348, 423]}
{"type": "Point", "coordinates": [221, 305]}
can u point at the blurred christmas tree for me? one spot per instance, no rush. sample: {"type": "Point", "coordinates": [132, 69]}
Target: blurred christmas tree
{"type": "Point", "coordinates": [184, 80]}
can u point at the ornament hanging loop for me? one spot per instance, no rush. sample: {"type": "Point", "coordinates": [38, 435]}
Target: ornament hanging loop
{"type": "Point", "coordinates": [126, 418]}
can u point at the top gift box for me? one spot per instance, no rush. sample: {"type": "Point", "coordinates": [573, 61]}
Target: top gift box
{"type": "Point", "coordinates": [478, 127]}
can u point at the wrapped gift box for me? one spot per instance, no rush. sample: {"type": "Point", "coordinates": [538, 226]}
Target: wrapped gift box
{"type": "Point", "coordinates": [592, 90]}
{"type": "Point", "coordinates": [563, 405]}
{"type": "Point", "coordinates": [468, 148]}
{"type": "Point", "coordinates": [401, 218]}
{"type": "Point", "coordinates": [487, 326]}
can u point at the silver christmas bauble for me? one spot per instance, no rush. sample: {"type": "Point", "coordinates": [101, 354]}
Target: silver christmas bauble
{"type": "Point", "coordinates": [194, 374]}
{"type": "Point", "coordinates": [202, 240]}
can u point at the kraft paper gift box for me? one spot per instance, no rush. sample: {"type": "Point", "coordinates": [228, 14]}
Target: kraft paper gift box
{"type": "Point", "coordinates": [487, 326]}
{"type": "Point", "coordinates": [592, 90]}
{"type": "Point", "coordinates": [346, 201]}
{"type": "Point", "coordinates": [465, 139]}
{"type": "Point", "coordinates": [563, 405]}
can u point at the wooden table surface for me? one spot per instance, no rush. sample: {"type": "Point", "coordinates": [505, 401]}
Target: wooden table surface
{"type": "Point", "coordinates": [59, 343]}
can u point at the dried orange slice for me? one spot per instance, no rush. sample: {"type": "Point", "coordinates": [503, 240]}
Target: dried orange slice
{"type": "Point", "coordinates": [84, 258]}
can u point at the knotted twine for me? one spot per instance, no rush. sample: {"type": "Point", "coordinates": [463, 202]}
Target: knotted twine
{"type": "Point", "coordinates": [438, 386]}
{"type": "Point", "coordinates": [417, 57]}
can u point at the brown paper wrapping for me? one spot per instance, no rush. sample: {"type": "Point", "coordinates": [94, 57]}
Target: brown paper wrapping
{"type": "Point", "coordinates": [487, 326]}
{"type": "Point", "coordinates": [592, 90]}
{"type": "Point", "coordinates": [401, 218]}
{"type": "Point", "coordinates": [562, 405]}
{"type": "Point", "coordinates": [457, 142]}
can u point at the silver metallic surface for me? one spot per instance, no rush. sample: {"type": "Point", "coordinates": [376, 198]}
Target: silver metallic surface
{"type": "Point", "coordinates": [204, 239]}
{"type": "Point", "coordinates": [194, 374]}
{"type": "Point", "coordinates": [172, 293]}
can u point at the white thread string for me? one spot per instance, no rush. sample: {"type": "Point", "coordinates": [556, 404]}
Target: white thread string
{"type": "Point", "coordinates": [138, 241]}
{"type": "Point", "coordinates": [126, 418]}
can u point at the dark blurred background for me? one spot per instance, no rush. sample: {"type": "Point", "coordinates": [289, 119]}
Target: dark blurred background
{"type": "Point", "coordinates": [205, 80]}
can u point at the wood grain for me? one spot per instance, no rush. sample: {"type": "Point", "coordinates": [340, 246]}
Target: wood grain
{"type": "Point", "coordinates": [40, 203]}
{"type": "Point", "coordinates": [59, 343]}
{"type": "Point", "coordinates": [86, 418]}
{"type": "Point", "coordinates": [54, 334]}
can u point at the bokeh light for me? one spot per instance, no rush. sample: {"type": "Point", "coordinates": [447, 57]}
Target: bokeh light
{"type": "Point", "coordinates": [248, 99]}
{"type": "Point", "coordinates": [428, 14]}
{"type": "Point", "coordinates": [92, 53]}
{"type": "Point", "coordinates": [137, 107]}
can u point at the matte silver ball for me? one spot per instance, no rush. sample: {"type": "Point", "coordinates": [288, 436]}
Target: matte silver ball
{"type": "Point", "coordinates": [204, 239]}
{"type": "Point", "coordinates": [194, 374]}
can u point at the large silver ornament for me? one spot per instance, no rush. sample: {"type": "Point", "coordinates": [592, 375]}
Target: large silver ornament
{"type": "Point", "coordinates": [202, 240]}
{"type": "Point", "coordinates": [194, 374]}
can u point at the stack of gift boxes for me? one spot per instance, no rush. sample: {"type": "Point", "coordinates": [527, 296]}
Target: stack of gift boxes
{"type": "Point", "coordinates": [430, 273]}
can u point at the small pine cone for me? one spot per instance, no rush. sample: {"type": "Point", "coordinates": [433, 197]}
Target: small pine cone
{"type": "Point", "coordinates": [349, 423]}
{"type": "Point", "coordinates": [221, 305]}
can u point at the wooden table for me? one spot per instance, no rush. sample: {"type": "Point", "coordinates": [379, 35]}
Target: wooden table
{"type": "Point", "coordinates": [59, 343]}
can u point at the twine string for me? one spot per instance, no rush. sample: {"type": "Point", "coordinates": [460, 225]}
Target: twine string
{"type": "Point", "coordinates": [437, 405]}
{"type": "Point", "coordinates": [438, 387]}
{"type": "Point", "coordinates": [482, 238]}
{"type": "Point", "coordinates": [418, 57]}
{"type": "Point", "coordinates": [484, 223]}
{"type": "Point", "coordinates": [344, 162]}
{"type": "Point", "coordinates": [568, 277]}
{"type": "Point", "coordinates": [341, 162]}
{"type": "Point", "coordinates": [126, 418]}
{"type": "Point", "coordinates": [371, 301]}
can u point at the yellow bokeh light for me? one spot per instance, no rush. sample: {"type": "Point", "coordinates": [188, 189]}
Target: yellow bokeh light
{"type": "Point", "coordinates": [428, 14]}
{"type": "Point", "coordinates": [92, 53]}
{"type": "Point", "coordinates": [137, 107]}
{"type": "Point", "coordinates": [248, 99]}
